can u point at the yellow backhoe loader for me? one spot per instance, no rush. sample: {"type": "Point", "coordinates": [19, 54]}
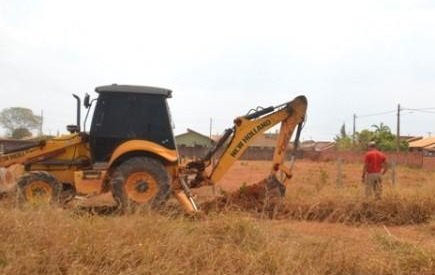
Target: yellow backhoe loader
{"type": "Point", "coordinates": [130, 150]}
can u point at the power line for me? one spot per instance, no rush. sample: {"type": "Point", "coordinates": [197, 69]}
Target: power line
{"type": "Point", "coordinates": [421, 110]}
{"type": "Point", "coordinates": [399, 112]}
{"type": "Point", "coordinates": [355, 116]}
{"type": "Point", "coordinates": [375, 114]}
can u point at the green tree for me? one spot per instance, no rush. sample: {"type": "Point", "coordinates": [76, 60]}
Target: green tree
{"type": "Point", "coordinates": [21, 133]}
{"type": "Point", "coordinates": [363, 138]}
{"type": "Point", "coordinates": [343, 141]}
{"type": "Point", "coordinates": [383, 137]}
{"type": "Point", "coordinates": [15, 118]}
{"type": "Point", "coordinates": [343, 131]}
{"type": "Point", "coordinates": [385, 140]}
{"type": "Point", "coordinates": [381, 134]}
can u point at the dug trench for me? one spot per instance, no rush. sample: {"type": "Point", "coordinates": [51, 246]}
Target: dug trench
{"type": "Point", "coordinates": [252, 200]}
{"type": "Point", "coordinates": [389, 211]}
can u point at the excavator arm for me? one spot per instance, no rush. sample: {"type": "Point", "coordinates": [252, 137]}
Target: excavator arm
{"type": "Point", "coordinates": [247, 128]}
{"type": "Point", "coordinates": [237, 139]}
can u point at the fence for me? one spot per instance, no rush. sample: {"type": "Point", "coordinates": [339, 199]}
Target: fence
{"type": "Point", "coordinates": [410, 159]}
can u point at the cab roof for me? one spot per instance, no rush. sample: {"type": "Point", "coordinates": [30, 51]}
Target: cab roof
{"type": "Point", "coordinates": [134, 89]}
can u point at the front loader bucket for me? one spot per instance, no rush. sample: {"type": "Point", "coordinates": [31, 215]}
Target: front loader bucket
{"type": "Point", "coordinates": [8, 178]}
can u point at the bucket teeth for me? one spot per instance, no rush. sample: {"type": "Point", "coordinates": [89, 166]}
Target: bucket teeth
{"type": "Point", "coordinates": [274, 186]}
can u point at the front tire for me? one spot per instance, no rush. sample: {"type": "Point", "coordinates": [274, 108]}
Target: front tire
{"type": "Point", "coordinates": [140, 181]}
{"type": "Point", "coordinates": [38, 188]}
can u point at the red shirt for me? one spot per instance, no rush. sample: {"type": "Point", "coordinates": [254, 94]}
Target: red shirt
{"type": "Point", "coordinates": [374, 160]}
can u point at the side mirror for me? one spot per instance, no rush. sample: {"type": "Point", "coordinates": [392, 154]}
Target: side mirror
{"type": "Point", "coordinates": [87, 101]}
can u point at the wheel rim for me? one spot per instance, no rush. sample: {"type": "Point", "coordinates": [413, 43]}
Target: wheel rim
{"type": "Point", "coordinates": [38, 192]}
{"type": "Point", "coordinates": [141, 187]}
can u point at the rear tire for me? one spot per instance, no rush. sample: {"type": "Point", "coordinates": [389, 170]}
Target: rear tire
{"type": "Point", "coordinates": [140, 181]}
{"type": "Point", "coordinates": [38, 188]}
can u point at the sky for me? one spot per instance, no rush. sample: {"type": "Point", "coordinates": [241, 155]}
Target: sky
{"type": "Point", "coordinates": [223, 58]}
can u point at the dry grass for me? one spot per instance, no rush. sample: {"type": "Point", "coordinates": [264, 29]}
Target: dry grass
{"type": "Point", "coordinates": [317, 194]}
{"type": "Point", "coordinates": [55, 241]}
{"type": "Point", "coordinates": [48, 240]}
{"type": "Point", "coordinates": [391, 210]}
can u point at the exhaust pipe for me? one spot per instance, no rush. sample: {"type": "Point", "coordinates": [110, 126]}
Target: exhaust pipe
{"type": "Point", "coordinates": [78, 111]}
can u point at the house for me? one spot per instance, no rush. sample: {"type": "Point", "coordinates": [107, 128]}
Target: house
{"type": "Point", "coordinates": [317, 146]}
{"type": "Point", "coordinates": [193, 139]}
{"type": "Point", "coordinates": [307, 145]}
{"type": "Point", "coordinates": [322, 146]}
{"type": "Point", "coordinates": [264, 141]}
{"type": "Point", "coordinates": [263, 147]}
{"type": "Point", "coordinates": [422, 144]}
{"type": "Point", "coordinates": [192, 144]}
{"type": "Point", "coordinates": [409, 139]}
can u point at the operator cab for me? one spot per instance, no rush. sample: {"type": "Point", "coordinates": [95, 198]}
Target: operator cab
{"type": "Point", "coordinates": [125, 112]}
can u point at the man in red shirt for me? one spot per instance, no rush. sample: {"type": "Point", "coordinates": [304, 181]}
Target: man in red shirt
{"type": "Point", "coordinates": [375, 165]}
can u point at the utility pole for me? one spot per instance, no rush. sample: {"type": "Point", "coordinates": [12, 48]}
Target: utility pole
{"type": "Point", "coordinates": [42, 122]}
{"type": "Point", "coordinates": [212, 159]}
{"type": "Point", "coordinates": [211, 126]}
{"type": "Point", "coordinates": [354, 129]}
{"type": "Point", "coordinates": [398, 129]}
{"type": "Point", "coordinates": [397, 146]}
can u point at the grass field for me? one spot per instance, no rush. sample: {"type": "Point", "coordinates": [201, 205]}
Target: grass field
{"type": "Point", "coordinates": [324, 226]}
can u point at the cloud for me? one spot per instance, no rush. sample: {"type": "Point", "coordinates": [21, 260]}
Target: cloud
{"type": "Point", "coordinates": [223, 58]}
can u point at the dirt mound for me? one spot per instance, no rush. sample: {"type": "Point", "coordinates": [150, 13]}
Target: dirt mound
{"type": "Point", "coordinates": [259, 197]}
